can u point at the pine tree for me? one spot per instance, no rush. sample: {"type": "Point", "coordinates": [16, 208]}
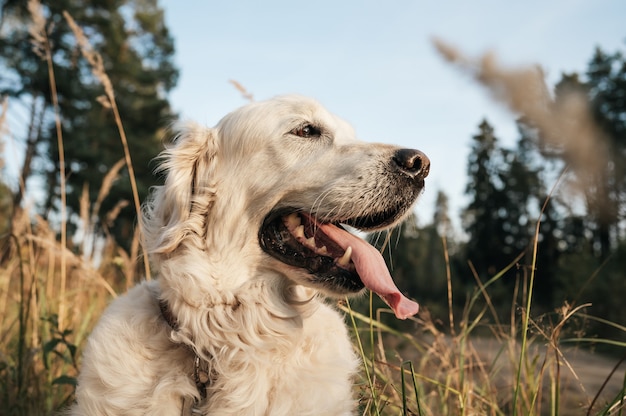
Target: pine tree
{"type": "Point", "coordinates": [527, 197]}
{"type": "Point", "coordinates": [484, 216]}
{"type": "Point", "coordinates": [522, 188]}
{"type": "Point", "coordinates": [606, 84]}
{"type": "Point", "coordinates": [441, 216]}
{"type": "Point", "coordinates": [506, 193]}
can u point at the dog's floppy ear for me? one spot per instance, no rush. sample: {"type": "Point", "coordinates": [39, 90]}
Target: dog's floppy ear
{"type": "Point", "coordinates": [180, 206]}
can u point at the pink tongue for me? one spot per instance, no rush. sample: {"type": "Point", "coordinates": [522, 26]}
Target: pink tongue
{"type": "Point", "coordinates": [372, 269]}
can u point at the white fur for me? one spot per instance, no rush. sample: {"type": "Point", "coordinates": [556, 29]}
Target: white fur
{"type": "Point", "coordinates": [271, 343]}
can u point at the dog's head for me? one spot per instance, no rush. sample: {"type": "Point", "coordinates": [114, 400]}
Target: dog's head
{"type": "Point", "coordinates": [268, 188]}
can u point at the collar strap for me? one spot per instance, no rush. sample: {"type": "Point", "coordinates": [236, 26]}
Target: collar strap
{"type": "Point", "coordinates": [200, 374]}
{"type": "Point", "coordinates": [168, 315]}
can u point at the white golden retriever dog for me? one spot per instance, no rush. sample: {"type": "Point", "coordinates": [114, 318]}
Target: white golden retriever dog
{"type": "Point", "coordinates": [245, 238]}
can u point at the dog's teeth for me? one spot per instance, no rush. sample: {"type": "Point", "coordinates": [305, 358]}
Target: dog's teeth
{"type": "Point", "coordinates": [344, 260]}
{"type": "Point", "coordinates": [310, 242]}
{"type": "Point", "coordinates": [298, 232]}
{"type": "Point", "coordinates": [323, 251]}
{"type": "Point", "coordinates": [292, 220]}
{"type": "Point", "coordinates": [296, 219]}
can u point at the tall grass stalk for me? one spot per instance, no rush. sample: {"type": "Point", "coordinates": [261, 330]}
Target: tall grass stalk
{"type": "Point", "coordinates": [529, 295]}
{"type": "Point", "coordinates": [108, 101]}
{"type": "Point", "coordinates": [41, 46]}
{"type": "Point", "coordinates": [368, 374]}
{"type": "Point", "coordinates": [405, 410]}
{"type": "Point", "coordinates": [444, 242]}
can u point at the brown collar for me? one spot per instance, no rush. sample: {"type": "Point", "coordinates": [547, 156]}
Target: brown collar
{"type": "Point", "coordinates": [168, 315]}
{"type": "Point", "coordinates": [200, 373]}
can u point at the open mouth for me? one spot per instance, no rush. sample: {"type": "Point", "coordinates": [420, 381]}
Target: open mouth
{"type": "Point", "coordinates": [296, 239]}
{"type": "Point", "coordinates": [335, 259]}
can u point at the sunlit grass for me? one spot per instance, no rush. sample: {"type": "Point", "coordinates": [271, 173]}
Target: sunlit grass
{"type": "Point", "coordinates": [431, 372]}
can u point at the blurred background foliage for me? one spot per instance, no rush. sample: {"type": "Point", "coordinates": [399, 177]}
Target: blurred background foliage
{"type": "Point", "coordinates": [582, 235]}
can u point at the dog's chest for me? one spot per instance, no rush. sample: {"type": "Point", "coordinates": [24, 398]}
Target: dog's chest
{"type": "Point", "coordinates": [311, 374]}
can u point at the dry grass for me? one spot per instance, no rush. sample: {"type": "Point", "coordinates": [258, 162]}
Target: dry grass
{"type": "Point", "coordinates": [108, 101]}
{"type": "Point", "coordinates": [51, 293]}
{"type": "Point", "coordinates": [38, 345]}
{"type": "Point", "coordinates": [432, 372]}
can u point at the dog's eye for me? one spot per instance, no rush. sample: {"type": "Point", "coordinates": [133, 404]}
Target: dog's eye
{"type": "Point", "coordinates": [307, 131]}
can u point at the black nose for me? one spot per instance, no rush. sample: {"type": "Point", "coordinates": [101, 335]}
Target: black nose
{"type": "Point", "coordinates": [412, 162]}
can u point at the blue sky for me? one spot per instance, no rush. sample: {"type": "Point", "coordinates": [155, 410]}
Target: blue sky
{"type": "Point", "coordinates": [373, 63]}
